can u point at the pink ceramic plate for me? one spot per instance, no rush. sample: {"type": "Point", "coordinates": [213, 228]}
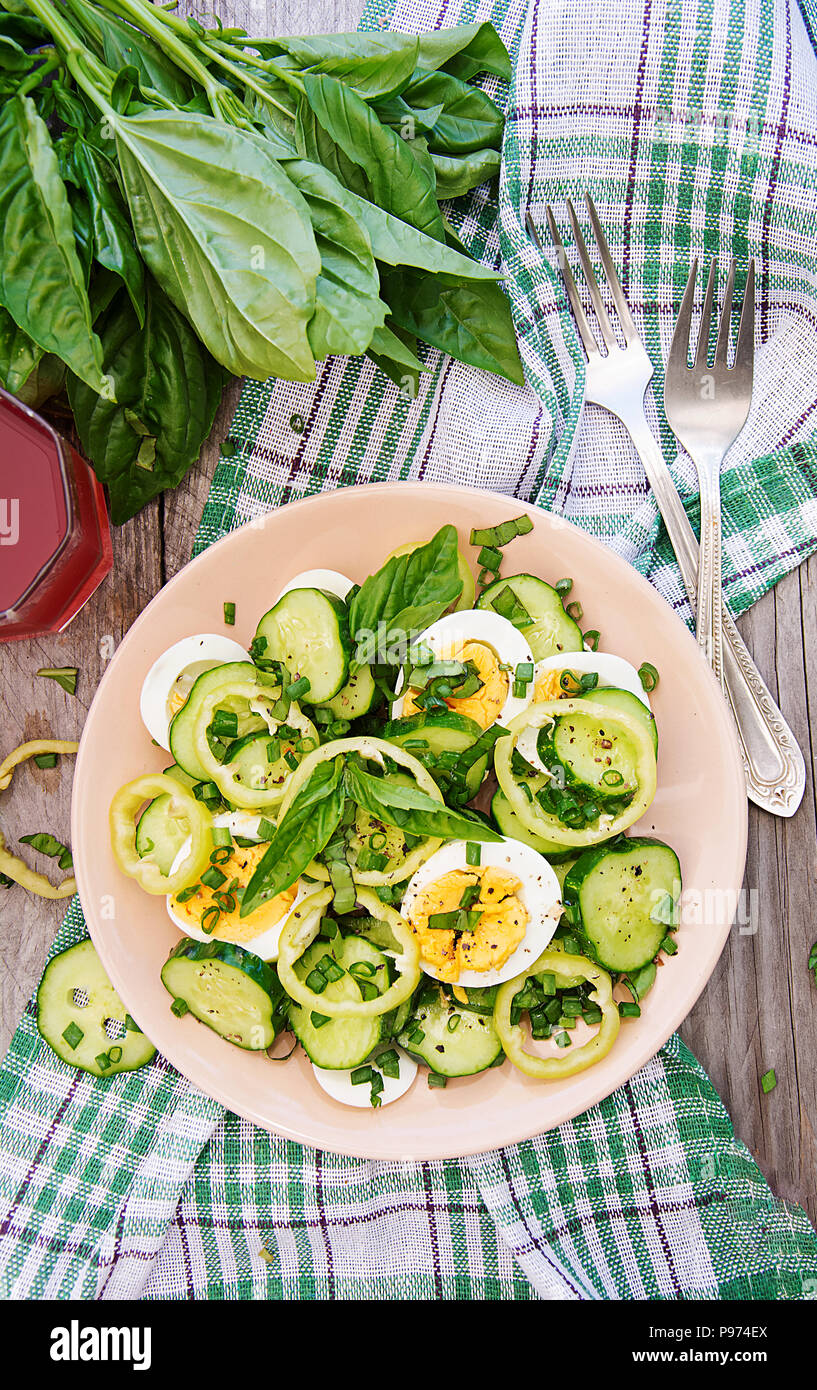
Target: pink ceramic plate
{"type": "Point", "coordinates": [700, 810]}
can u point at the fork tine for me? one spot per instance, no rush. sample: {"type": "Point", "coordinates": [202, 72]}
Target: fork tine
{"type": "Point", "coordinates": [706, 317]}
{"type": "Point", "coordinates": [622, 307]}
{"type": "Point", "coordinates": [679, 347]}
{"type": "Point", "coordinates": [592, 283]}
{"type": "Point", "coordinates": [722, 345]}
{"type": "Point", "coordinates": [590, 344]}
{"type": "Point", "coordinates": [745, 350]}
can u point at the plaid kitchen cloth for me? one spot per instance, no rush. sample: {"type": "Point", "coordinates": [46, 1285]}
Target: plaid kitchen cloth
{"type": "Point", "coordinates": [692, 122]}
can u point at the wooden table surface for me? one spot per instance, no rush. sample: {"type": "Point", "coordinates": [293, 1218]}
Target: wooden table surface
{"type": "Point", "coordinates": [758, 1011]}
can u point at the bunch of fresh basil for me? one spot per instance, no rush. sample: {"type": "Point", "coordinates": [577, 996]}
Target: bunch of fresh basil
{"type": "Point", "coordinates": [179, 203]}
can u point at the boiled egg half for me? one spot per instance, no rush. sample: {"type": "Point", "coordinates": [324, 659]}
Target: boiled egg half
{"type": "Point", "coordinates": [339, 1084]}
{"type": "Point", "coordinates": [612, 671]}
{"type": "Point", "coordinates": [171, 677]}
{"type": "Point", "coordinates": [494, 647]}
{"type": "Point", "coordinates": [329, 580]}
{"type": "Point", "coordinates": [260, 931]}
{"type": "Point", "coordinates": [481, 924]}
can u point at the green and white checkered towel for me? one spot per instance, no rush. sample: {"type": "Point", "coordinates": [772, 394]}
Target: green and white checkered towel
{"type": "Point", "coordinates": [694, 126]}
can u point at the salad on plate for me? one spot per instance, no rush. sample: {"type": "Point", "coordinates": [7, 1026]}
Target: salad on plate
{"type": "Point", "coordinates": [393, 830]}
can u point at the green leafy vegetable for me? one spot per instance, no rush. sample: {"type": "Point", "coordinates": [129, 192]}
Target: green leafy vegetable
{"type": "Point", "coordinates": [411, 809]}
{"type": "Point", "coordinates": [407, 594]}
{"type": "Point", "coordinates": [303, 832]}
{"type": "Point", "coordinates": [66, 676]}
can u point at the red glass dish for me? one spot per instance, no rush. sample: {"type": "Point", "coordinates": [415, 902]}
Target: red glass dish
{"type": "Point", "coordinates": [55, 540]}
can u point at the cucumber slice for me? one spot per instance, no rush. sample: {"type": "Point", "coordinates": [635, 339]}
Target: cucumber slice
{"type": "Point", "coordinates": [561, 866]}
{"type": "Point", "coordinates": [183, 724]}
{"type": "Point", "coordinates": [231, 990]}
{"type": "Point", "coordinates": [450, 733]}
{"type": "Point", "coordinates": [509, 823]}
{"type": "Point", "coordinates": [179, 775]}
{"type": "Point", "coordinates": [593, 755]}
{"type": "Point", "coordinates": [249, 765]}
{"type": "Point", "coordinates": [308, 630]}
{"type": "Point", "coordinates": [552, 629]}
{"type": "Point", "coordinates": [159, 836]}
{"type": "Point", "coordinates": [74, 1002]}
{"type": "Point", "coordinates": [342, 1042]}
{"type": "Point", "coordinates": [451, 1049]}
{"type": "Point", "coordinates": [624, 700]}
{"type": "Point", "coordinates": [624, 898]}
{"type": "Point", "coordinates": [357, 697]}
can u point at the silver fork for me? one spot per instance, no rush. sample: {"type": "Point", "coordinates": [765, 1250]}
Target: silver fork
{"type": "Point", "coordinates": [706, 409]}
{"type": "Point", "coordinates": [617, 381]}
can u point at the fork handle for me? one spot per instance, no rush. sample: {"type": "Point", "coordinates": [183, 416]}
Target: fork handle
{"type": "Point", "coordinates": [775, 771]}
{"type": "Point", "coordinates": [709, 608]}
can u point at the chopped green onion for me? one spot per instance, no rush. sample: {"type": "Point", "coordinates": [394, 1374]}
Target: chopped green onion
{"type": "Point", "coordinates": [73, 1035]}
{"type": "Point", "coordinates": [66, 676]}
{"type": "Point", "coordinates": [458, 920]}
{"type": "Point", "coordinates": [591, 639]}
{"type": "Point", "coordinates": [115, 1054]}
{"type": "Point", "coordinates": [416, 1036]}
{"type": "Point", "coordinates": [524, 672]}
{"type": "Point", "coordinates": [648, 675]}
{"type": "Point", "coordinates": [669, 946]}
{"type": "Point", "coordinates": [574, 610]}
{"type": "Point", "coordinates": [228, 449]}
{"type": "Point", "coordinates": [103, 1061]}
{"type": "Point", "coordinates": [187, 893]}
{"type": "Point", "coordinates": [362, 969]}
{"type": "Point", "coordinates": [503, 533]}
{"type": "Point", "coordinates": [319, 1020]}
{"type": "Point", "coordinates": [389, 1063]}
{"type": "Point", "coordinates": [209, 919]}
{"type": "Point", "coordinates": [213, 878]}
{"type": "Point", "coordinates": [562, 1039]}
{"type": "Point", "coordinates": [453, 1023]}
{"type": "Point", "coordinates": [377, 1087]}
{"type": "Point", "coordinates": [224, 724]}
{"type": "Point", "coordinates": [340, 876]}
{"type": "Point", "coordinates": [547, 982]}
{"type": "Point", "coordinates": [508, 606]}
{"type": "Point", "coordinates": [298, 688]}
{"type": "Point", "coordinates": [611, 777]}
{"type": "Point", "coordinates": [436, 1081]}
{"type": "Point", "coordinates": [629, 1010]}
{"type": "Point", "coordinates": [591, 1013]}
{"type": "Point", "coordinates": [229, 608]}
{"type": "Point", "coordinates": [131, 1024]}
{"type": "Point", "coordinates": [362, 1076]}
{"type": "Point", "coordinates": [290, 759]}
{"type": "Point", "coordinates": [45, 759]}
{"type": "Point", "coordinates": [316, 981]}
{"type": "Point", "coordinates": [473, 853]}
{"type": "Point", "coordinates": [179, 1007]}
{"type": "Point", "coordinates": [570, 683]}
{"type": "Point", "coordinates": [768, 1081]}
{"type": "Point", "coordinates": [220, 855]}
{"type": "Point", "coordinates": [490, 558]}
{"type": "Point", "coordinates": [563, 587]}
{"type": "Point", "coordinates": [470, 894]}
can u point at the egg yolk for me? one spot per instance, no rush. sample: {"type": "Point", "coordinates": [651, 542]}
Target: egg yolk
{"type": "Point", "coordinates": [230, 926]}
{"type": "Point", "coordinates": [487, 704]}
{"type": "Point", "coordinates": [501, 926]}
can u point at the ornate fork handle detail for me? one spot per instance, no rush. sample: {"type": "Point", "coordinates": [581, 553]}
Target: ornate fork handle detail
{"type": "Point", "coordinates": [771, 756]}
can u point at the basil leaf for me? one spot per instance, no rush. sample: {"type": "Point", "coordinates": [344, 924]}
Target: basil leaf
{"type": "Point", "coordinates": [46, 379]}
{"type": "Point", "coordinates": [315, 144]}
{"type": "Point", "coordinates": [18, 354]}
{"type": "Point", "coordinates": [23, 28]}
{"type": "Point", "coordinates": [304, 831]}
{"type": "Point", "coordinates": [113, 241]}
{"type": "Point", "coordinates": [407, 120]}
{"type": "Point", "coordinates": [168, 388]}
{"type": "Point", "coordinates": [13, 58]}
{"type": "Point", "coordinates": [41, 279]}
{"type": "Point", "coordinates": [47, 844]}
{"type": "Point", "coordinates": [396, 243]}
{"type": "Point", "coordinates": [395, 353]}
{"type": "Point", "coordinates": [456, 176]}
{"type": "Point", "coordinates": [122, 45]}
{"type": "Point", "coordinates": [397, 178]}
{"type": "Point", "coordinates": [469, 121]}
{"type": "Point", "coordinates": [411, 809]}
{"type": "Point", "coordinates": [408, 593]}
{"type": "Point", "coordinates": [466, 50]}
{"type": "Point", "coordinates": [470, 320]}
{"type": "Point", "coordinates": [373, 64]}
{"type": "Point", "coordinates": [234, 251]}
{"type": "Point", "coordinates": [348, 307]}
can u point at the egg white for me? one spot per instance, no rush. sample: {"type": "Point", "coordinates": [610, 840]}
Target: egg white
{"type": "Point", "coordinates": [330, 580]}
{"type": "Point", "coordinates": [265, 944]}
{"type": "Point", "coordinates": [540, 894]}
{"type": "Point", "coordinates": [189, 657]}
{"type": "Point", "coordinates": [338, 1084]}
{"type": "Point", "coordinates": [490, 629]}
{"type": "Point", "coordinates": [613, 671]}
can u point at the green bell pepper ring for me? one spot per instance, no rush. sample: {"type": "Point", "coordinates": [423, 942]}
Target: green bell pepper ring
{"type": "Point", "coordinates": [572, 970]}
{"type": "Point", "coordinates": [231, 788]}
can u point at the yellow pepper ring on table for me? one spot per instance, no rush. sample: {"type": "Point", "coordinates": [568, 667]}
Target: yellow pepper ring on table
{"type": "Point", "coordinates": [572, 970]}
{"type": "Point", "coordinates": [184, 807]}
{"type": "Point", "coordinates": [232, 790]}
{"type": "Point", "coordinates": [379, 747]}
{"type": "Point", "coordinates": [300, 931]}
{"type": "Point", "coordinates": [32, 749]}
{"type": "Point", "coordinates": [532, 815]}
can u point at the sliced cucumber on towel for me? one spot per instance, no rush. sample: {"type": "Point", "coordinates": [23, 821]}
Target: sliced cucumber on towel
{"type": "Point", "coordinates": [82, 1018]}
